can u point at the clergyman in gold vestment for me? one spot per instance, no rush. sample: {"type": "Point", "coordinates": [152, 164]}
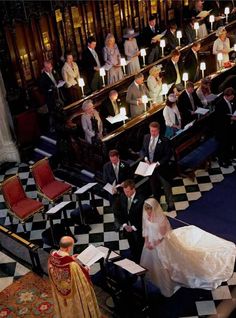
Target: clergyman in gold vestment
{"type": "Point", "coordinates": [72, 289]}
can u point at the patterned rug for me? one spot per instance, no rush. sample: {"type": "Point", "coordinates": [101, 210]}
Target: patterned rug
{"type": "Point", "coordinates": [31, 297]}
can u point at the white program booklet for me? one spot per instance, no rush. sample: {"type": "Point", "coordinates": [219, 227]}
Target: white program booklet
{"type": "Point", "coordinates": [57, 207]}
{"type": "Point", "coordinates": [90, 255]}
{"type": "Point", "coordinates": [201, 111]}
{"type": "Point", "coordinates": [60, 84]}
{"type": "Point", "coordinates": [105, 250]}
{"type": "Point", "coordinates": [145, 169]}
{"type": "Point", "coordinates": [130, 266]}
{"type": "Point", "coordinates": [203, 14]}
{"type": "Point", "coordinates": [116, 119]}
{"type": "Point", "coordinates": [85, 188]}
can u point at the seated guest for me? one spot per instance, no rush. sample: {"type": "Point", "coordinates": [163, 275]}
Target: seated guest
{"type": "Point", "coordinates": [225, 126]}
{"type": "Point", "coordinates": [154, 83]}
{"type": "Point", "coordinates": [198, 8]}
{"type": "Point", "coordinates": [134, 95]}
{"type": "Point", "coordinates": [149, 32]}
{"type": "Point", "coordinates": [170, 36]}
{"type": "Point", "coordinates": [110, 107]}
{"type": "Point", "coordinates": [221, 45]}
{"type": "Point", "coordinates": [172, 116]}
{"type": "Point", "coordinates": [188, 102]}
{"type": "Point", "coordinates": [131, 51]}
{"type": "Point", "coordinates": [173, 70]}
{"type": "Point", "coordinates": [189, 34]}
{"type": "Point", "coordinates": [91, 123]}
{"type": "Point", "coordinates": [191, 62]}
{"type": "Point", "coordinates": [92, 64]}
{"type": "Point", "coordinates": [72, 289]}
{"type": "Point", "coordinates": [157, 149]}
{"type": "Point", "coordinates": [173, 90]}
{"type": "Point", "coordinates": [128, 217]}
{"type": "Point", "coordinates": [70, 74]}
{"type": "Point", "coordinates": [115, 171]}
{"type": "Point", "coordinates": [111, 56]}
{"type": "Point", "coordinates": [204, 92]}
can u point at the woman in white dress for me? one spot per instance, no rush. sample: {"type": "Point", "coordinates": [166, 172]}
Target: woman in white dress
{"type": "Point", "coordinates": [132, 52]}
{"type": "Point", "coordinates": [186, 256]}
{"type": "Point", "coordinates": [111, 56]}
{"type": "Point", "coordinates": [221, 45]}
{"type": "Point", "coordinates": [172, 116]}
{"type": "Point", "coordinates": [154, 83]}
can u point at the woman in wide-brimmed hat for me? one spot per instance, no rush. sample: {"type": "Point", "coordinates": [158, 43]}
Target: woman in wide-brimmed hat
{"type": "Point", "coordinates": [222, 45]}
{"type": "Point", "coordinates": [131, 51]}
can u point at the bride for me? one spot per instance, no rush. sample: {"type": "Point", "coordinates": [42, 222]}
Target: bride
{"type": "Point", "coordinates": [187, 256]}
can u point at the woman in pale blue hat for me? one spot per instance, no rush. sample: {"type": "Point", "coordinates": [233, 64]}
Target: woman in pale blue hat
{"type": "Point", "coordinates": [131, 51]}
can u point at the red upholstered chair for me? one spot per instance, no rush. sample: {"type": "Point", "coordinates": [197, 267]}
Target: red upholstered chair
{"type": "Point", "coordinates": [19, 205]}
{"type": "Point", "coordinates": [47, 186]}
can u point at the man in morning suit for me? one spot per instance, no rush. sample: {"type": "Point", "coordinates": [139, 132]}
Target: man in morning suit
{"type": "Point", "coordinates": [115, 172]}
{"type": "Point", "coordinates": [171, 38]}
{"type": "Point", "coordinates": [134, 95]}
{"type": "Point", "coordinates": [188, 102]}
{"type": "Point", "coordinates": [191, 62]}
{"type": "Point", "coordinates": [157, 149]}
{"type": "Point", "coordinates": [149, 32]}
{"type": "Point", "coordinates": [173, 70]}
{"type": "Point", "coordinates": [225, 126]}
{"type": "Point", "coordinates": [92, 64]}
{"type": "Point", "coordinates": [128, 212]}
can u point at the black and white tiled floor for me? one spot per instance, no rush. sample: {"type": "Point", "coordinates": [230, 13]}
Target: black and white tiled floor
{"type": "Point", "coordinates": [184, 190]}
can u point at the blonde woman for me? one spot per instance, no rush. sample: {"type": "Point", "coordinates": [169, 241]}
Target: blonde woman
{"type": "Point", "coordinates": [222, 45]}
{"type": "Point", "coordinates": [111, 56]}
{"type": "Point", "coordinates": [154, 83]}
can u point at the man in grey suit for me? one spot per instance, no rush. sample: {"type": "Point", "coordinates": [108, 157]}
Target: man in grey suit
{"type": "Point", "coordinates": [134, 95]}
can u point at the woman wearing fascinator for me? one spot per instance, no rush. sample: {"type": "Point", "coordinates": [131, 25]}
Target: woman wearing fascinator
{"type": "Point", "coordinates": [172, 116]}
{"type": "Point", "coordinates": [154, 83]}
{"type": "Point", "coordinates": [184, 257]}
{"type": "Point", "coordinates": [221, 45]}
{"type": "Point", "coordinates": [132, 51]}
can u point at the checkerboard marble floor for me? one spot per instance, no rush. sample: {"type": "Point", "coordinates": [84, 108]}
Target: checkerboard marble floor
{"type": "Point", "coordinates": [206, 303]}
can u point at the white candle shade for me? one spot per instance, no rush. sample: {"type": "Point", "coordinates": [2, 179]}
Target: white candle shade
{"type": "Point", "coordinates": [196, 26]}
{"type": "Point", "coordinates": [202, 66]}
{"type": "Point", "coordinates": [179, 34]}
{"type": "Point", "coordinates": [164, 89]}
{"type": "Point", "coordinates": [81, 82]}
{"type": "Point", "coordinates": [123, 111]}
{"type": "Point", "coordinates": [235, 47]}
{"type": "Point", "coordinates": [123, 61]}
{"type": "Point", "coordinates": [219, 57]}
{"type": "Point", "coordinates": [162, 43]}
{"type": "Point", "coordinates": [227, 10]}
{"type": "Point", "coordinates": [144, 99]}
{"type": "Point", "coordinates": [102, 71]}
{"type": "Point", "coordinates": [185, 77]}
{"type": "Point", "coordinates": [211, 18]}
{"type": "Point", "coordinates": [143, 52]}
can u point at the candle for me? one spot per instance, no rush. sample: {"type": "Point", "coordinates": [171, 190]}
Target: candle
{"type": "Point", "coordinates": [211, 20]}
{"type": "Point", "coordinates": [164, 89]}
{"type": "Point", "coordinates": [145, 101]}
{"type": "Point", "coordinates": [102, 74]}
{"type": "Point", "coordinates": [123, 113]}
{"type": "Point", "coordinates": [185, 78]}
{"type": "Point", "coordinates": [196, 27]}
{"type": "Point", "coordinates": [234, 47]}
{"type": "Point", "coordinates": [220, 59]}
{"type": "Point", "coordinates": [143, 54]}
{"type": "Point", "coordinates": [81, 85]}
{"type": "Point", "coordinates": [179, 36]}
{"type": "Point", "coordinates": [227, 14]}
{"type": "Point", "coordinates": [123, 64]}
{"type": "Point", "coordinates": [202, 68]}
{"type": "Point", "coordinates": [162, 45]}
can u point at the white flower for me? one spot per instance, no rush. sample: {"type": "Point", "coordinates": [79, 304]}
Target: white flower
{"type": "Point", "coordinates": [26, 297]}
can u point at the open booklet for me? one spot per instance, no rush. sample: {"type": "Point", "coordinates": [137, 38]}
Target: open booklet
{"type": "Point", "coordinates": [157, 37]}
{"type": "Point", "coordinates": [130, 266]}
{"type": "Point", "coordinates": [145, 169]}
{"type": "Point", "coordinates": [116, 119]}
{"type": "Point", "coordinates": [90, 255]}
{"type": "Point", "coordinates": [201, 111]}
{"type": "Point", "coordinates": [107, 252]}
{"type": "Point", "coordinates": [109, 187]}
{"type": "Point", "coordinates": [203, 14]}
